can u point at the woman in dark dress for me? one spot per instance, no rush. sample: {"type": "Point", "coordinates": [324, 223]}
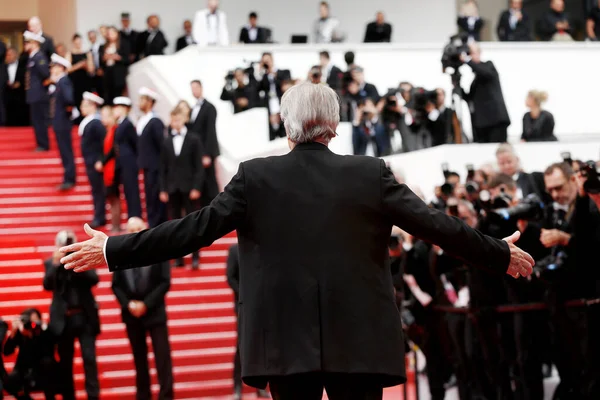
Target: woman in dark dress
{"type": "Point", "coordinates": [82, 64]}
{"type": "Point", "coordinates": [114, 58]}
{"type": "Point", "coordinates": [469, 21]}
{"type": "Point", "coordinates": [538, 124]}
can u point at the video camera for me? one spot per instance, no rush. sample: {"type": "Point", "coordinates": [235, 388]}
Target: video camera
{"type": "Point", "coordinates": [451, 54]}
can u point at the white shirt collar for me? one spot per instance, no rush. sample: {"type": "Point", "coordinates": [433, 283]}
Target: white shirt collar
{"type": "Point", "coordinates": [182, 132]}
{"type": "Point", "coordinates": [33, 53]}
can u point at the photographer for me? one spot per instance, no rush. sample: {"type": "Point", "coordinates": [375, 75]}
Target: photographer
{"type": "Point", "coordinates": [240, 90]}
{"type": "Point", "coordinates": [489, 116]}
{"type": "Point", "coordinates": [315, 75]}
{"type": "Point", "coordinates": [270, 87]}
{"type": "Point", "coordinates": [367, 127]}
{"type": "Point", "coordinates": [35, 366]}
{"type": "Point", "coordinates": [73, 315]}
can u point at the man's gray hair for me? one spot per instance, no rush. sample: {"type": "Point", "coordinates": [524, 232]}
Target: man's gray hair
{"type": "Point", "coordinates": [309, 112]}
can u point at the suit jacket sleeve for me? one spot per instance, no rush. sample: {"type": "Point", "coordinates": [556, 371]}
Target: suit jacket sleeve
{"type": "Point", "coordinates": [161, 288]}
{"type": "Point", "coordinates": [50, 42]}
{"type": "Point", "coordinates": [85, 279]}
{"type": "Point", "coordinates": [503, 27]}
{"type": "Point", "coordinates": [177, 238]}
{"type": "Point", "coordinates": [99, 135]}
{"type": "Point", "coordinates": [132, 137]}
{"type": "Point", "coordinates": [484, 70]}
{"type": "Point", "coordinates": [12, 343]}
{"type": "Point", "coordinates": [118, 290]}
{"type": "Point", "coordinates": [164, 165]}
{"type": "Point", "coordinates": [198, 177]}
{"type": "Point", "coordinates": [67, 92]}
{"type": "Point", "coordinates": [158, 133]}
{"type": "Point", "coordinates": [242, 38]}
{"type": "Point", "coordinates": [49, 275]}
{"type": "Point", "coordinates": [212, 144]}
{"type": "Point", "coordinates": [411, 214]}
{"type": "Point", "coordinates": [233, 269]}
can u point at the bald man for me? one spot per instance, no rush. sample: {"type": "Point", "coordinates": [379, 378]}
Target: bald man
{"type": "Point", "coordinates": [141, 293]}
{"type": "Point", "coordinates": [35, 25]}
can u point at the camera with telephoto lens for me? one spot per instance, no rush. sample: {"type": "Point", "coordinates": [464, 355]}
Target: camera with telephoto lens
{"type": "Point", "coordinates": [471, 186]}
{"type": "Point", "coordinates": [451, 54]}
{"type": "Point", "coordinates": [530, 208]}
{"type": "Point", "coordinates": [592, 182]}
{"type": "Point", "coordinates": [29, 325]}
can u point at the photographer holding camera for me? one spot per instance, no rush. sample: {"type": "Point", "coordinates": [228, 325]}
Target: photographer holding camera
{"type": "Point", "coordinates": [73, 315]}
{"type": "Point", "coordinates": [240, 89]}
{"type": "Point", "coordinates": [270, 87]}
{"type": "Point", "coordinates": [489, 115]}
{"type": "Point", "coordinates": [367, 127]}
{"type": "Point", "coordinates": [35, 366]}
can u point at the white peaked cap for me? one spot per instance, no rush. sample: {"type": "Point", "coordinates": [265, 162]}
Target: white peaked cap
{"type": "Point", "coordinates": [56, 59]}
{"type": "Point", "coordinates": [93, 97]}
{"type": "Point", "coordinates": [28, 36]}
{"type": "Point", "coordinates": [122, 101]}
{"type": "Point", "coordinates": [144, 91]}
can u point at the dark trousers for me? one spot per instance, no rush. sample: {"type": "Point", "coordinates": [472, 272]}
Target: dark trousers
{"type": "Point", "coordinates": [98, 193]}
{"type": "Point", "coordinates": [157, 210]}
{"type": "Point", "coordinates": [17, 110]}
{"type": "Point", "coordinates": [65, 147]}
{"type": "Point", "coordinates": [310, 386]}
{"type": "Point", "coordinates": [162, 357]}
{"type": "Point", "coordinates": [39, 120]}
{"type": "Point", "coordinates": [21, 384]}
{"type": "Point", "coordinates": [381, 139]}
{"type": "Point", "coordinates": [131, 187]}
{"type": "Point", "coordinates": [491, 134]}
{"type": "Point", "coordinates": [2, 107]}
{"type": "Point", "coordinates": [66, 348]}
{"type": "Point", "coordinates": [179, 201]}
{"type": "Point", "coordinates": [459, 332]}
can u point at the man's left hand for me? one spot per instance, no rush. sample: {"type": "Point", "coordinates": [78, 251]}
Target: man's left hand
{"type": "Point", "coordinates": [554, 237]}
{"type": "Point", "coordinates": [85, 255]}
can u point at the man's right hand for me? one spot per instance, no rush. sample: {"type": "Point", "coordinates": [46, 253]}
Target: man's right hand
{"type": "Point", "coordinates": [521, 263]}
{"type": "Point", "coordinates": [164, 197]}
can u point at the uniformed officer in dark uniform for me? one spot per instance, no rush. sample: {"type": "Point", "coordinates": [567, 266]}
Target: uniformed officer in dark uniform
{"type": "Point", "coordinates": [126, 141]}
{"type": "Point", "coordinates": [36, 78]}
{"type": "Point", "coordinates": [92, 134]}
{"type": "Point", "coordinates": [61, 105]}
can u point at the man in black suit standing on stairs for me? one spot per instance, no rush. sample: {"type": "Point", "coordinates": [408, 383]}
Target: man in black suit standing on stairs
{"type": "Point", "coordinates": [141, 293]}
{"type": "Point", "coordinates": [317, 307]}
{"type": "Point", "coordinates": [203, 122]}
{"type": "Point", "coordinates": [252, 33]}
{"type": "Point", "coordinates": [151, 42]}
{"type": "Point", "coordinates": [187, 39]}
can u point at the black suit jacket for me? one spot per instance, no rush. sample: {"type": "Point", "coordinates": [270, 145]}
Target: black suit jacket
{"type": "Point", "coordinates": [154, 298]}
{"type": "Point", "coordinates": [39, 71]}
{"type": "Point", "coordinates": [315, 283]}
{"type": "Point", "coordinates": [205, 125]}
{"type": "Point", "coordinates": [334, 79]}
{"type": "Point", "coordinates": [150, 144]}
{"type": "Point", "coordinates": [155, 48]}
{"type": "Point", "coordinates": [48, 46]}
{"type": "Point", "coordinates": [131, 39]}
{"type": "Point", "coordinates": [181, 43]}
{"type": "Point", "coordinates": [116, 74]}
{"type": "Point", "coordinates": [184, 172]}
{"type": "Point", "coordinates": [521, 33]}
{"type": "Point", "coordinates": [486, 97]}
{"type": "Point", "coordinates": [92, 142]}
{"type": "Point", "coordinates": [378, 34]}
{"type": "Point", "coordinates": [233, 272]}
{"type": "Point", "coordinates": [56, 282]}
{"type": "Point", "coordinates": [261, 36]}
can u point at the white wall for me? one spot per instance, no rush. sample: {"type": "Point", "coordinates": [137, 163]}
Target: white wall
{"type": "Point", "coordinates": [413, 21]}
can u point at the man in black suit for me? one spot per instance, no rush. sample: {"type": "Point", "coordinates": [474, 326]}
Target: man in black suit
{"type": "Point", "coordinates": [527, 183]}
{"type": "Point", "coordinates": [378, 31]}
{"type": "Point", "coordinates": [151, 42]}
{"type": "Point", "coordinates": [187, 39]}
{"type": "Point", "coordinates": [271, 82]}
{"type": "Point", "coordinates": [141, 294]}
{"type": "Point", "coordinates": [203, 122]}
{"type": "Point", "coordinates": [151, 135]}
{"type": "Point", "coordinates": [514, 25]}
{"type": "Point", "coordinates": [73, 315]}
{"type": "Point", "coordinates": [252, 33]}
{"type": "Point", "coordinates": [233, 279]}
{"type": "Point", "coordinates": [317, 306]}
{"type": "Point", "coordinates": [330, 74]}
{"type": "Point", "coordinates": [17, 112]}
{"type": "Point", "coordinates": [35, 25]}
{"type": "Point", "coordinates": [129, 35]}
{"type": "Point", "coordinates": [181, 172]}
{"type": "Point", "coordinates": [36, 91]}
{"type": "Point", "coordinates": [489, 115]}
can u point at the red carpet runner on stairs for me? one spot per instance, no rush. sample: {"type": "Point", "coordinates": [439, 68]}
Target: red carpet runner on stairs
{"type": "Point", "coordinates": [199, 304]}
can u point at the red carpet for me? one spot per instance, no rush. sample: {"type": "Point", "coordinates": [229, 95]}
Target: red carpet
{"type": "Point", "coordinates": [199, 305]}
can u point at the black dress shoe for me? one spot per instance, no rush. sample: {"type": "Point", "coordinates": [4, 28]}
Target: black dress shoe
{"type": "Point", "coordinates": [66, 186]}
{"type": "Point", "coordinates": [97, 224]}
{"type": "Point", "coordinates": [40, 149]}
{"type": "Point", "coordinates": [195, 262]}
{"type": "Point", "coordinates": [179, 263]}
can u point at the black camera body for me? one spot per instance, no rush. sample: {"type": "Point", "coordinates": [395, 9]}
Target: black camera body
{"type": "Point", "coordinates": [451, 54]}
{"type": "Point", "coordinates": [29, 325]}
{"type": "Point", "coordinates": [530, 208]}
{"type": "Point", "coordinates": [592, 183]}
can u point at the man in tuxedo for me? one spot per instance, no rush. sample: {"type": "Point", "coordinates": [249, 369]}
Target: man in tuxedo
{"type": "Point", "coordinates": [489, 115]}
{"type": "Point", "coordinates": [129, 35]}
{"type": "Point", "coordinates": [514, 25]}
{"type": "Point", "coordinates": [35, 25]}
{"type": "Point", "coordinates": [61, 105]}
{"type": "Point", "coordinates": [17, 112]}
{"type": "Point", "coordinates": [151, 42]}
{"type": "Point", "coordinates": [330, 74]}
{"type": "Point", "coordinates": [92, 134]}
{"type": "Point", "coordinates": [317, 307]}
{"type": "Point", "coordinates": [233, 279]}
{"type": "Point", "coordinates": [151, 134]}
{"type": "Point", "coordinates": [203, 122]}
{"type": "Point", "coordinates": [527, 183]}
{"type": "Point", "coordinates": [141, 293]}
{"type": "Point", "coordinates": [36, 95]}
{"type": "Point", "coordinates": [181, 173]}
{"type": "Point", "coordinates": [187, 39]}
{"type": "Point", "coordinates": [252, 33]}
{"type": "Point", "coordinates": [210, 26]}
{"type": "Point", "coordinates": [73, 315]}
{"type": "Point", "coordinates": [378, 31]}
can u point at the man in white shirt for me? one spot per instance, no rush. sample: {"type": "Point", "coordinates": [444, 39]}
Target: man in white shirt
{"type": "Point", "coordinates": [210, 26]}
{"type": "Point", "coordinates": [326, 27]}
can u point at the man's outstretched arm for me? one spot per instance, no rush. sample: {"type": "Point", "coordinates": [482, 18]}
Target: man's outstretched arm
{"type": "Point", "coordinates": [411, 214]}
{"type": "Point", "coordinates": [167, 241]}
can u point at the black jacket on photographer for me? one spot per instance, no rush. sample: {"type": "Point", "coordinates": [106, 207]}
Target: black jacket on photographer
{"type": "Point", "coordinates": [489, 115]}
{"type": "Point", "coordinates": [33, 352]}
{"type": "Point", "coordinates": [247, 92]}
{"type": "Point", "coordinates": [71, 291]}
